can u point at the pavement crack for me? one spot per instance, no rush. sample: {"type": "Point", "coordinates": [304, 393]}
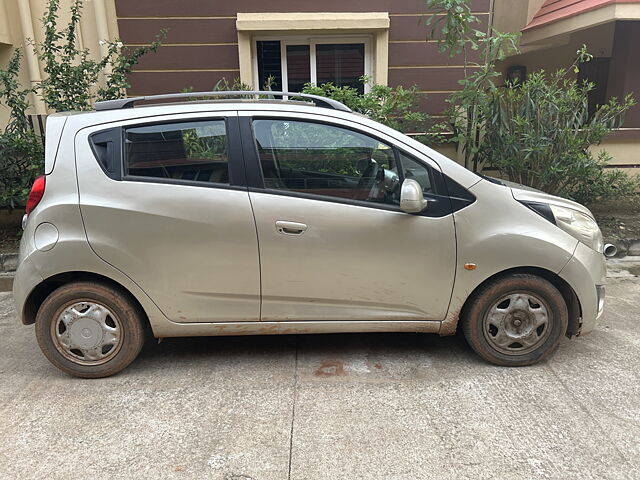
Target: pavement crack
{"type": "Point", "coordinates": [293, 406]}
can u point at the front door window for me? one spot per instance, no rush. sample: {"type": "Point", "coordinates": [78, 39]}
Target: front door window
{"type": "Point", "coordinates": [321, 159]}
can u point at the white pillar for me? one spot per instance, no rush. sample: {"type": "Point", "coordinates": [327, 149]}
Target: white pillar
{"type": "Point", "coordinates": [33, 66]}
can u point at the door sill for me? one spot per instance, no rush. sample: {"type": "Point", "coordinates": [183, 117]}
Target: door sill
{"type": "Point", "coordinates": [172, 329]}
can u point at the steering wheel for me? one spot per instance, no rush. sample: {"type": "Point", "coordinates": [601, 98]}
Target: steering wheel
{"type": "Point", "coordinates": [391, 183]}
{"type": "Point", "coordinates": [369, 175]}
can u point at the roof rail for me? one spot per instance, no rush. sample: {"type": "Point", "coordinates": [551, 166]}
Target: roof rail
{"type": "Point", "coordinates": [129, 102]}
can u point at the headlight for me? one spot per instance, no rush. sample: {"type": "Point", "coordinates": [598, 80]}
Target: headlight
{"type": "Point", "coordinates": [579, 225]}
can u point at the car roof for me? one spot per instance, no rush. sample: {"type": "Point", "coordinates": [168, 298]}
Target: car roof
{"type": "Point", "coordinates": [213, 100]}
{"type": "Point", "coordinates": [76, 121]}
{"type": "Point", "coordinates": [93, 117]}
{"type": "Point", "coordinates": [254, 95]}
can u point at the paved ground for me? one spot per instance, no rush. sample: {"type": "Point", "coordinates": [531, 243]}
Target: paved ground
{"type": "Point", "coordinates": [374, 406]}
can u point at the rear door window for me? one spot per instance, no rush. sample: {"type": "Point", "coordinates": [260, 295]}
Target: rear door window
{"type": "Point", "coordinates": [187, 150]}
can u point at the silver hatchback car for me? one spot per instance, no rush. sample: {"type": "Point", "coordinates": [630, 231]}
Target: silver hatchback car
{"type": "Point", "coordinates": [272, 216]}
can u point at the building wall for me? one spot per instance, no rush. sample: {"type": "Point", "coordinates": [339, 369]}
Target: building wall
{"type": "Point", "coordinates": [20, 22]}
{"type": "Point", "coordinates": [202, 43]}
{"type": "Point", "coordinates": [514, 15]}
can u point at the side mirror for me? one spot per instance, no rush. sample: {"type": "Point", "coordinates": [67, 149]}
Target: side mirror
{"type": "Point", "coordinates": [411, 197]}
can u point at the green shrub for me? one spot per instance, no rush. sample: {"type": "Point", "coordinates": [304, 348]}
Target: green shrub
{"type": "Point", "coordinates": [21, 161]}
{"type": "Point", "coordinates": [539, 134]}
{"type": "Point", "coordinates": [395, 107]}
{"type": "Point", "coordinates": [71, 75]}
{"type": "Point", "coordinates": [21, 150]}
{"type": "Point", "coordinates": [70, 84]}
{"type": "Point", "coordinates": [453, 26]}
{"type": "Point", "coordinates": [223, 85]}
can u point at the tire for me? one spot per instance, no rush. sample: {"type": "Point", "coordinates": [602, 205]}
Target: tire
{"type": "Point", "coordinates": [515, 320]}
{"type": "Point", "coordinates": [89, 330]}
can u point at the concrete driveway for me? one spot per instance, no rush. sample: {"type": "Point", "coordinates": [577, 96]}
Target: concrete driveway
{"type": "Point", "coordinates": [374, 406]}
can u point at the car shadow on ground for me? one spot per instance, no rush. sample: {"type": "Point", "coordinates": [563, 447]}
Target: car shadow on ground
{"type": "Point", "coordinates": [255, 350]}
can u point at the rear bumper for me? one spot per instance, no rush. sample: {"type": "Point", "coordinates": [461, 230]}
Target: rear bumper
{"type": "Point", "coordinates": [26, 279]}
{"type": "Point", "coordinates": [586, 273]}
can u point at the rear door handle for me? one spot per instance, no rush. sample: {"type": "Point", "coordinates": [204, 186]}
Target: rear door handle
{"type": "Point", "coordinates": [290, 228]}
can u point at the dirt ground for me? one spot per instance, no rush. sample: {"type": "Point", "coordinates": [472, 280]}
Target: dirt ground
{"type": "Point", "coordinates": [10, 230]}
{"type": "Point", "coordinates": [10, 238]}
{"type": "Point", "coordinates": [619, 218]}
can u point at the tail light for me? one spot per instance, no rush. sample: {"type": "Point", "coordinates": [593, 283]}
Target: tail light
{"type": "Point", "coordinates": [37, 191]}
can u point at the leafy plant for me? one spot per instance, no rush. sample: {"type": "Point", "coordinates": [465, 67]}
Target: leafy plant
{"type": "Point", "coordinates": [21, 161]}
{"type": "Point", "coordinates": [71, 75]}
{"type": "Point", "coordinates": [15, 98]}
{"type": "Point", "coordinates": [205, 142]}
{"type": "Point", "coordinates": [396, 107]}
{"type": "Point", "coordinates": [21, 151]}
{"type": "Point", "coordinates": [539, 135]}
{"type": "Point", "coordinates": [453, 21]}
{"type": "Point", "coordinates": [223, 85]}
{"type": "Point", "coordinates": [120, 63]}
{"type": "Point", "coordinates": [452, 24]}
{"type": "Point", "coordinates": [70, 84]}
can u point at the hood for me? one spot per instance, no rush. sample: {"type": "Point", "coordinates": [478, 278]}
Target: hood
{"type": "Point", "coordinates": [529, 194]}
{"type": "Point", "coordinates": [518, 186]}
{"type": "Point", "coordinates": [522, 193]}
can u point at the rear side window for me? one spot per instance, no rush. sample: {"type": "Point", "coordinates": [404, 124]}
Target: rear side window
{"type": "Point", "coordinates": [106, 146]}
{"type": "Point", "coordinates": [191, 150]}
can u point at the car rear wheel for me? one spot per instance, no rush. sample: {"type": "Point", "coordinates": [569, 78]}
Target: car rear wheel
{"type": "Point", "coordinates": [515, 320]}
{"type": "Point", "coordinates": [89, 330]}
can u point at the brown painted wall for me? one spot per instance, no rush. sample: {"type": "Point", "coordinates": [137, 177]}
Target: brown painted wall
{"type": "Point", "coordinates": [201, 46]}
{"type": "Point", "coordinates": [209, 8]}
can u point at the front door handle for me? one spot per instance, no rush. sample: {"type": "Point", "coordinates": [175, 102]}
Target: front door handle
{"type": "Point", "coordinates": [290, 228]}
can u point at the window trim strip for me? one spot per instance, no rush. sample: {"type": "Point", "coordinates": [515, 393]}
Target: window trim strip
{"type": "Point", "coordinates": [186, 183]}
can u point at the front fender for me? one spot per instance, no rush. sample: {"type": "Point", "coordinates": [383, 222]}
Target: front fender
{"type": "Point", "coordinates": [498, 233]}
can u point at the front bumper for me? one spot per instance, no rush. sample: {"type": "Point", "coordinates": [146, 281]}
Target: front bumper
{"type": "Point", "coordinates": [600, 296]}
{"type": "Point", "coordinates": [586, 273]}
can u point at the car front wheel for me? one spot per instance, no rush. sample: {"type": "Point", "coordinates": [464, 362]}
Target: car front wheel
{"type": "Point", "coordinates": [89, 330]}
{"type": "Point", "coordinates": [515, 320]}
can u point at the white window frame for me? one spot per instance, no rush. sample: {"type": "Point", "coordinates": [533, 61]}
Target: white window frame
{"type": "Point", "coordinates": [312, 41]}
